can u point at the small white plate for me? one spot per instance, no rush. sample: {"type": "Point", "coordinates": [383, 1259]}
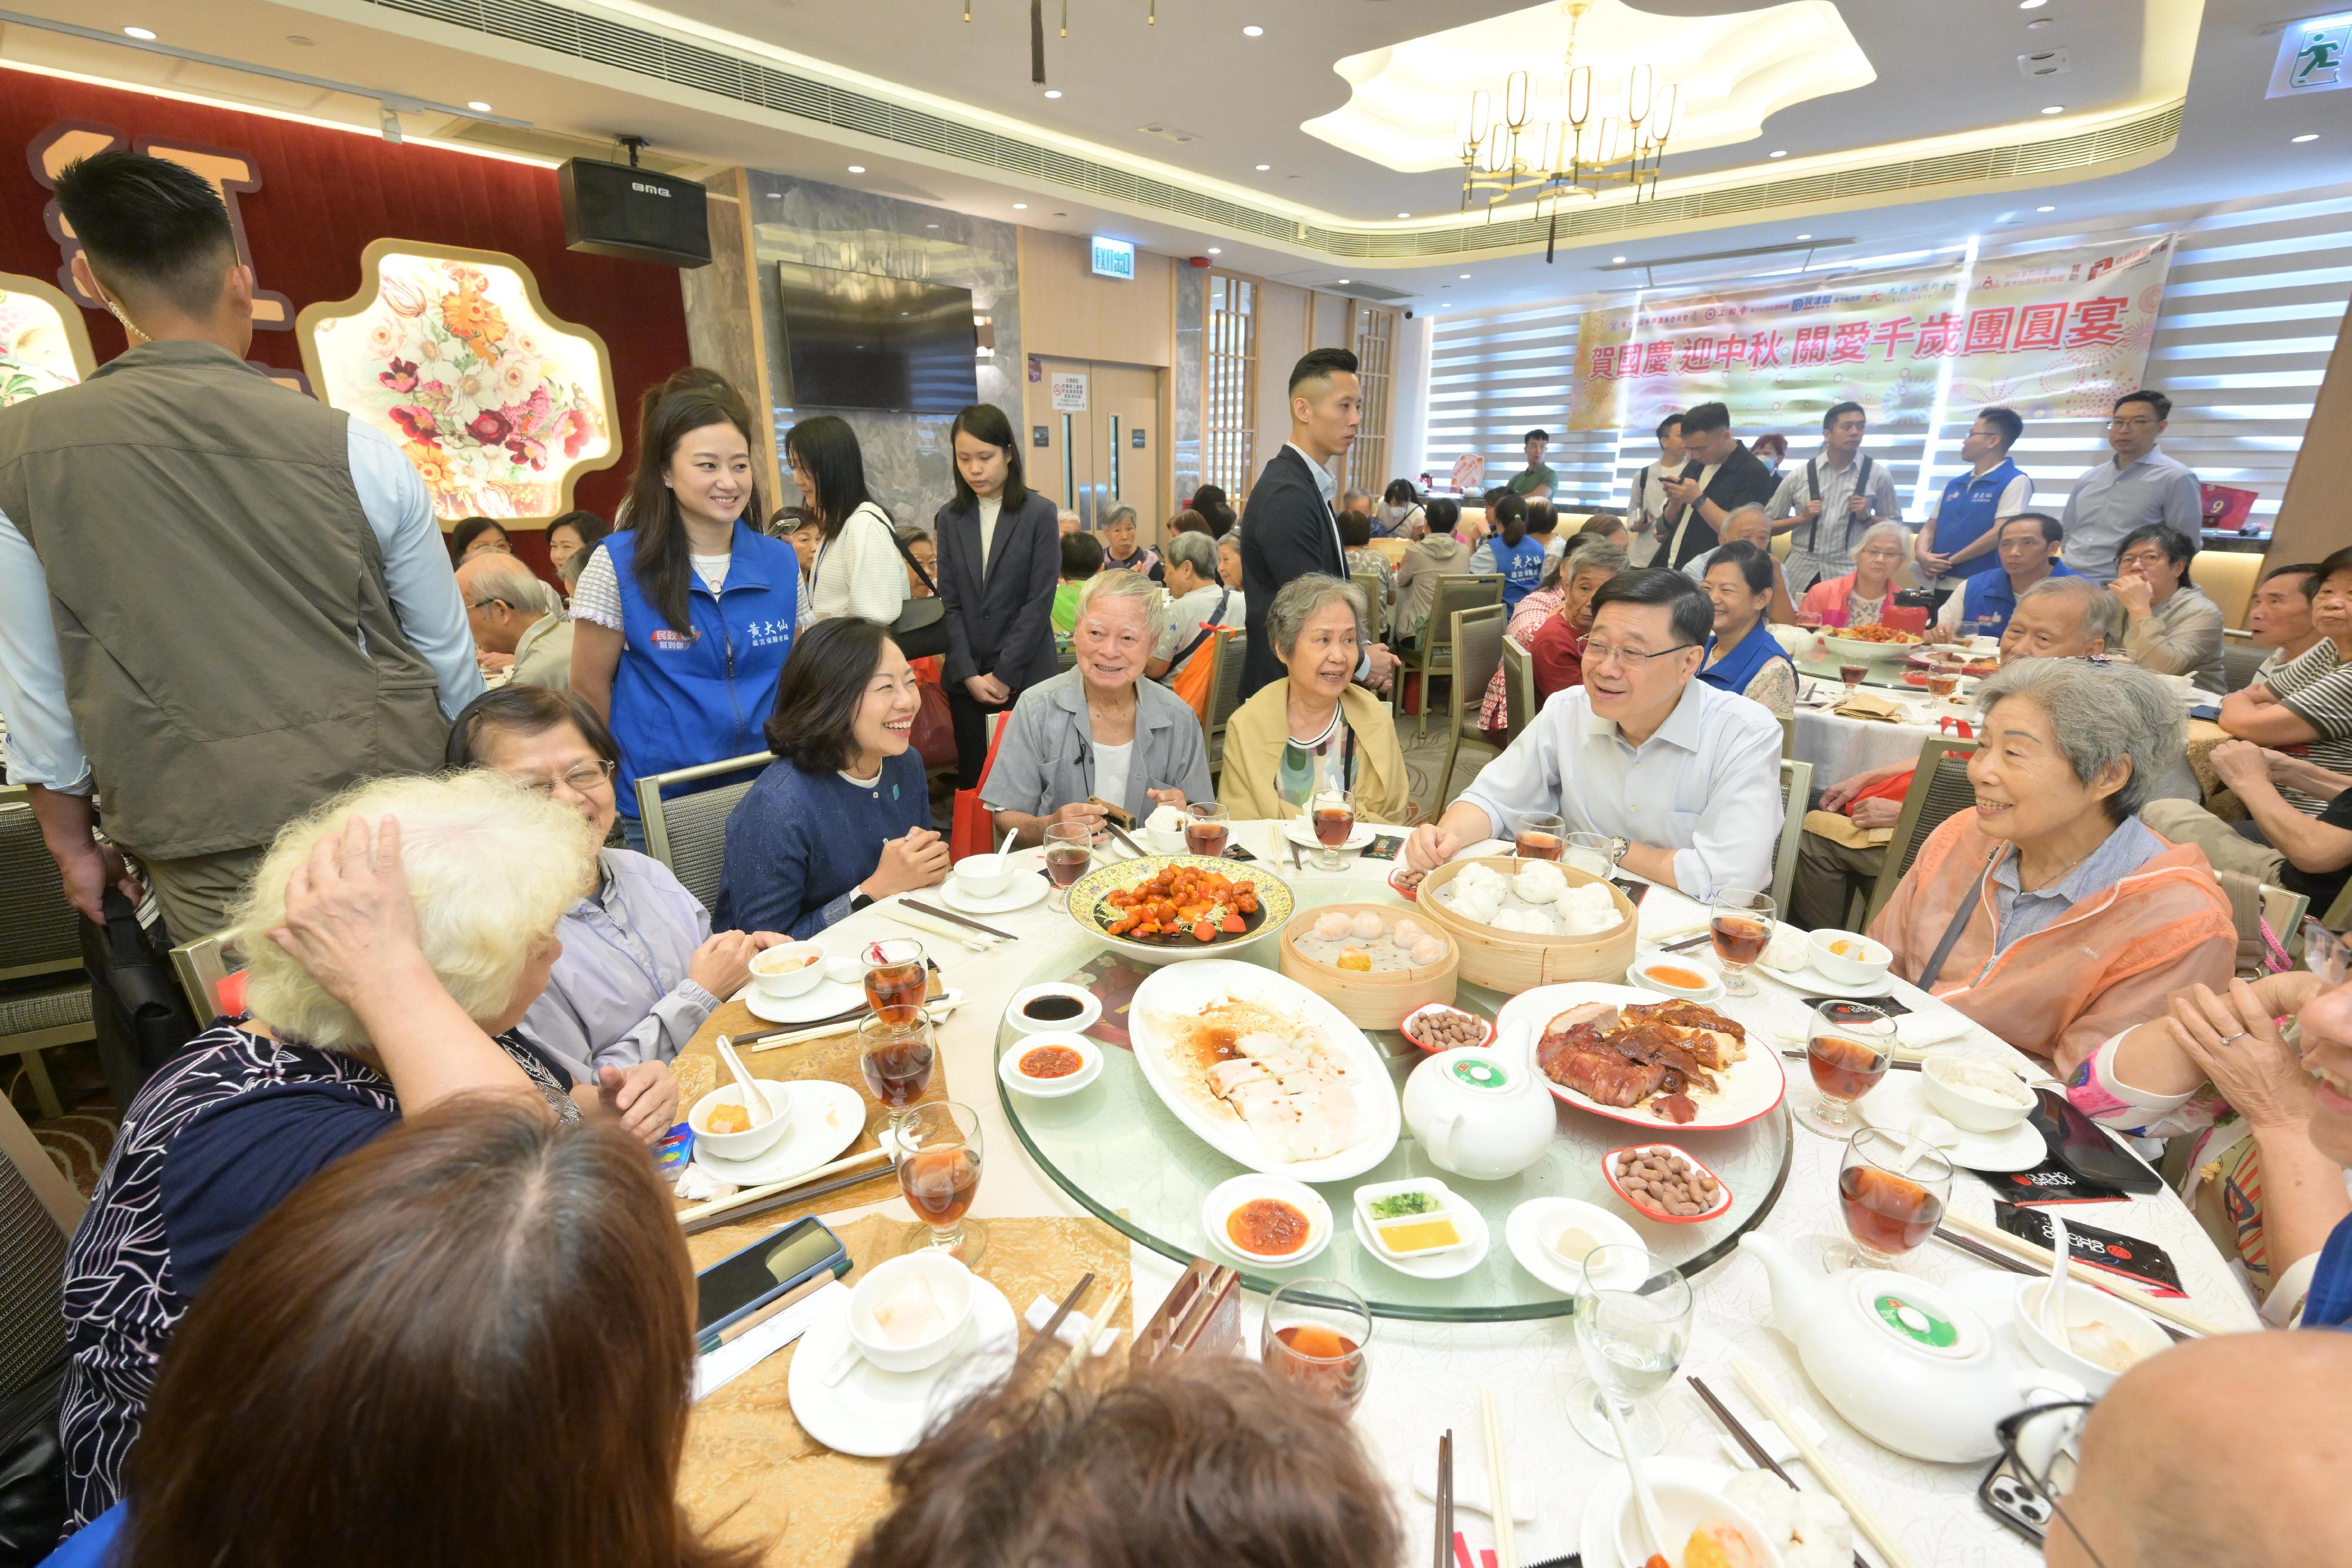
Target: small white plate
{"type": "Point", "coordinates": [827, 1117]}
{"type": "Point", "coordinates": [1228, 1196]}
{"type": "Point", "coordinates": [1633, 977]}
{"type": "Point", "coordinates": [1027, 888]}
{"type": "Point", "coordinates": [1523, 1233]}
{"type": "Point", "coordinates": [1813, 983]}
{"type": "Point", "coordinates": [1008, 1066]}
{"type": "Point", "coordinates": [1301, 832]}
{"type": "Point", "coordinates": [1597, 1527]}
{"type": "Point", "coordinates": [829, 998]}
{"type": "Point", "coordinates": [878, 1415]}
{"type": "Point", "coordinates": [1898, 1101]}
{"type": "Point", "coordinates": [1441, 1265]}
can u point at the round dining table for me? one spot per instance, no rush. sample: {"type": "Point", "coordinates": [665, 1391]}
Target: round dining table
{"type": "Point", "coordinates": [1428, 1367]}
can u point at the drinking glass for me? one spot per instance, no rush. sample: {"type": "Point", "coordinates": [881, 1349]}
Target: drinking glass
{"type": "Point", "coordinates": [1539, 836]}
{"type": "Point", "coordinates": [896, 979]}
{"type": "Point", "coordinates": [897, 1059]}
{"type": "Point", "coordinates": [1333, 814]}
{"type": "Point", "coordinates": [1633, 1326]}
{"type": "Point", "coordinates": [1594, 852]}
{"type": "Point", "coordinates": [938, 1172]}
{"type": "Point", "coordinates": [1314, 1336]}
{"type": "Point", "coordinates": [1943, 681]}
{"type": "Point", "coordinates": [1849, 1050]}
{"type": "Point", "coordinates": [1810, 620]}
{"type": "Point", "coordinates": [1741, 919]}
{"type": "Point", "coordinates": [1209, 829]}
{"type": "Point", "coordinates": [1985, 626]}
{"type": "Point", "coordinates": [1069, 850]}
{"type": "Point", "coordinates": [1852, 675]}
{"type": "Point", "coordinates": [1892, 1192]}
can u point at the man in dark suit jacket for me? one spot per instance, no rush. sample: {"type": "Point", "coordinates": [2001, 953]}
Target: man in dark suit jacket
{"type": "Point", "coordinates": [998, 611]}
{"type": "Point", "coordinates": [1695, 512]}
{"type": "Point", "coordinates": [1289, 528]}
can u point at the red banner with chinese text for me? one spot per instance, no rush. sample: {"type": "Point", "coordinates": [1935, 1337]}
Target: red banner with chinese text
{"type": "Point", "coordinates": [2057, 334]}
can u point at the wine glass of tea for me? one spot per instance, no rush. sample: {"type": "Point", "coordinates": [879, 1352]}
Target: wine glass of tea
{"type": "Point", "coordinates": [1208, 828]}
{"type": "Point", "coordinates": [1852, 675]}
{"type": "Point", "coordinates": [1314, 1337]}
{"type": "Point", "coordinates": [1850, 1049]}
{"type": "Point", "coordinates": [1633, 1326]}
{"type": "Point", "coordinates": [1810, 620]}
{"type": "Point", "coordinates": [1893, 1192]}
{"type": "Point", "coordinates": [1741, 919]}
{"type": "Point", "coordinates": [1069, 850]}
{"type": "Point", "coordinates": [938, 1172]}
{"type": "Point", "coordinates": [1943, 681]}
{"type": "Point", "coordinates": [896, 979]}
{"type": "Point", "coordinates": [1333, 814]}
{"type": "Point", "coordinates": [1541, 836]}
{"type": "Point", "coordinates": [897, 1059]}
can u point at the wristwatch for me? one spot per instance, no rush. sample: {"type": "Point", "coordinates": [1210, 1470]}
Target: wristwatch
{"type": "Point", "coordinates": [1617, 847]}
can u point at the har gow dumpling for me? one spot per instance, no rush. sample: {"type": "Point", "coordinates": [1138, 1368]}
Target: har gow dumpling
{"type": "Point", "coordinates": [1539, 881]}
{"type": "Point", "coordinates": [1334, 923]}
{"type": "Point", "coordinates": [1427, 950]}
{"type": "Point", "coordinates": [1367, 926]}
{"type": "Point", "coordinates": [1409, 931]}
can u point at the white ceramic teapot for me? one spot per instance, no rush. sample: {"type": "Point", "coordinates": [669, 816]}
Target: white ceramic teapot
{"type": "Point", "coordinates": [1479, 1113]}
{"type": "Point", "coordinates": [1901, 1358]}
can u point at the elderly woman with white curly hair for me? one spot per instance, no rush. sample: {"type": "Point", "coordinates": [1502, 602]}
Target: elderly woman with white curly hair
{"type": "Point", "coordinates": [395, 936]}
{"type": "Point", "coordinates": [1315, 730]}
{"type": "Point", "coordinates": [2048, 913]}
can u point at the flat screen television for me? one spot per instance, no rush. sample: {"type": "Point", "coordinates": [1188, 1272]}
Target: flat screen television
{"type": "Point", "coordinates": [855, 340]}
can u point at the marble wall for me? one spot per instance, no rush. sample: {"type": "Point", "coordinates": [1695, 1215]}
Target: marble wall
{"type": "Point", "coordinates": [910, 465]}
{"type": "Point", "coordinates": [1184, 385]}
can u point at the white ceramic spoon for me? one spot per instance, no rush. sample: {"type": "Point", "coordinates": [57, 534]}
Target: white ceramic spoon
{"type": "Point", "coordinates": [1645, 1504]}
{"type": "Point", "coordinates": [755, 1099]}
{"type": "Point", "coordinates": [2054, 1295]}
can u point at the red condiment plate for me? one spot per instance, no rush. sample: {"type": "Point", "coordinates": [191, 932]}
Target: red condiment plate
{"type": "Point", "coordinates": [1405, 1027]}
{"type": "Point", "coordinates": [1609, 1173]}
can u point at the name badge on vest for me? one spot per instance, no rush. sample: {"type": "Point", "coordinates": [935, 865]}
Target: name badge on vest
{"type": "Point", "coordinates": [670, 640]}
{"type": "Point", "coordinates": [768, 634]}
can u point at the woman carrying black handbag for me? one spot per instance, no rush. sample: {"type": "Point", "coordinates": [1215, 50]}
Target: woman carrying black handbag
{"type": "Point", "coordinates": [1000, 555]}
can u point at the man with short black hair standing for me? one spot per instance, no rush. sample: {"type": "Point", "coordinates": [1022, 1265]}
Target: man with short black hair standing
{"type": "Point", "coordinates": [221, 601]}
{"type": "Point", "coordinates": [2137, 487]}
{"type": "Point", "coordinates": [1961, 538]}
{"type": "Point", "coordinates": [1719, 475]}
{"type": "Point", "coordinates": [1537, 475]}
{"type": "Point", "coordinates": [1832, 500]}
{"type": "Point", "coordinates": [1292, 529]}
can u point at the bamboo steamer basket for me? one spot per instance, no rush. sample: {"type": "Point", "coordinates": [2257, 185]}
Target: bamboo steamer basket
{"type": "Point", "coordinates": [1511, 961]}
{"type": "Point", "coordinates": [1382, 998]}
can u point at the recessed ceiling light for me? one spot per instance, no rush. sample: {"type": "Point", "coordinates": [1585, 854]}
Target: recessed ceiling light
{"type": "Point", "coordinates": [478, 106]}
{"type": "Point", "coordinates": [1019, 206]}
{"type": "Point", "coordinates": [1215, 251]}
{"type": "Point", "coordinates": [1264, 167]}
{"type": "Point", "coordinates": [139, 32]}
{"type": "Point", "coordinates": [930, 225]}
{"type": "Point", "coordinates": [1343, 280]}
{"type": "Point", "coordinates": [1804, 236]}
{"type": "Point", "coordinates": [2032, 5]}
{"type": "Point", "coordinates": [1252, 32]}
{"type": "Point", "coordinates": [2045, 209]}
{"type": "Point", "coordinates": [1053, 92]}
{"type": "Point", "coordinates": [1465, 274]}
{"type": "Point", "coordinates": [1615, 259]}
{"type": "Point", "coordinates": [2307, 136]}
{"type": "Point", "coordinates": [2055, 108]}
{"type": "Point", "coordinates": [858, 168]}
{"type": "Point", "coordinates": [1448, 305]}
{"type": "Point", "coordinates": [1783, 152]}
{"type": "Point", "coordinates": [1404, 214]}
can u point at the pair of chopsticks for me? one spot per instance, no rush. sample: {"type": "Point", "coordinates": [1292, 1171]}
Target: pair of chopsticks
{"type": "Point", "coordinates": [1898, 1065]}
{"type": "Point", "coordinates": [2042, 1258]}
{"type": "Point", "coordinates": [937, 1009]}
{"type": "Point", "coordinates": [1444, 1556]}
{"type": "Point", "coordinates": [1745, 1439]}
{"type": "Point", "coordinates": [1046, 1335]}
{"type": "Point", "coordinates": [1833, 1480]}
{"type": "Point", "coordinates": [751, 1201]}
{"type": "Point", "coordinates": [1498, 1483]}
{"type": "Point", "coordinates": [968, 934]}
{"type": "Point", "coordinates": [1084, 1350]}
{"type": "Point", "coordinates": [744, 1325]}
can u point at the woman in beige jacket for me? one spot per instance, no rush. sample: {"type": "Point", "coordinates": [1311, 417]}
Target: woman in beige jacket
{"type": "Point", "coordinates": [1315, 730]}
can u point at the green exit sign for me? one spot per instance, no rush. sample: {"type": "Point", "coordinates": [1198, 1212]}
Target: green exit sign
{"type": "Point", "coordinates": [1114, 258]}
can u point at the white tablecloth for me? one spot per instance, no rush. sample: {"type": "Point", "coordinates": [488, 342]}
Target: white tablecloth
{"type": "Point", "coordinates": [1841, 747]}
{"type": "Point", "coordinates": [1427, 1376]}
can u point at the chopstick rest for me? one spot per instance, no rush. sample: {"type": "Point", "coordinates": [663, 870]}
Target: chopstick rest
{"type": "Point", "coordinates": [1075, 1328]}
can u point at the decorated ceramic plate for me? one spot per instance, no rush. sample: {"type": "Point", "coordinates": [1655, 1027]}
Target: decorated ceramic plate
{"type": "Point", "coordinates": [1212, 916]}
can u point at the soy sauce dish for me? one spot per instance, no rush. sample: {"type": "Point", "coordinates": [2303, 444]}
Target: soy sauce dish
{"type": "Point", "coordinates": [1053, 1009]}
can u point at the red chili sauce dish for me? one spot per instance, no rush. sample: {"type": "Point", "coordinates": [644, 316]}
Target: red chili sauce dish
{"type": "Point", "coordinates": [1050, 1062]}
{"type": "Point", "coordinates": [1677, 976]}
{"type": "Point", "coordinates": [1268, 1227]}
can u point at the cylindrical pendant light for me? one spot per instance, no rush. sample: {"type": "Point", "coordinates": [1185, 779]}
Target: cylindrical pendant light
{"type": "Point", "coordinates": [1579, 93]}
{"type": "Point", "coordinates": [1514, 101]}
{"type": "Point", "coordinates": [1637, 95]}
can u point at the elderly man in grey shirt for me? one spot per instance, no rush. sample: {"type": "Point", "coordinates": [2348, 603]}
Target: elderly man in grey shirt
{"type": "Point", "coordinates": [2138, 485]}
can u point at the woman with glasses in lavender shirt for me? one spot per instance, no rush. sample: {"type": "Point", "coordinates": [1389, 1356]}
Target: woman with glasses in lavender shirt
{"type": "Point", "coordinates": [640, 968]}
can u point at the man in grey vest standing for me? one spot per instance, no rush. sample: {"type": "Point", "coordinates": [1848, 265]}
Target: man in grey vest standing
{"type": "Point", "coordinates": [1831, 500]}
{"type": "Point", "coordinates": [220, 601]}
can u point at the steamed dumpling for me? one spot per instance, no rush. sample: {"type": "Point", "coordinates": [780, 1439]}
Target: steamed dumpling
{"type": "Point", "coordinates": [1588, 909]}
{"type": "Point", "coordinates": [1367, 926]}
{"type": "Point", "coordinates": [1427, 950]}
{"type": "Point", "coordinates": [1788, 949]}
{"type": "Point", "coordinates": [1534, 921]}
{"type": "Point", "coordinates": [1539, 881]}
{"type": "Point", "coordinates": [1477, 893]}
{"type": "Point", "coordinates": [1409, 931]}
{"type": "Point", "coordinates": [1333, 924]}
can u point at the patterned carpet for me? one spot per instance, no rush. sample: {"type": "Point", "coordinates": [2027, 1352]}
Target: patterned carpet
{"type": "Point", "coordinates": [80, 1140]}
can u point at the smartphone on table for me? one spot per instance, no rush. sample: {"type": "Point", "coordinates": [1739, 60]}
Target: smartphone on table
{"type": "Point", "coordinates": [747, 1280]}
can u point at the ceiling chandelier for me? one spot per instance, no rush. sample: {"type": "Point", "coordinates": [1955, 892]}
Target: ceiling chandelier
{"type": "Point", "coordinates": [1512, 155]}
{"type": "Point", "coordinates": [1037, 31]}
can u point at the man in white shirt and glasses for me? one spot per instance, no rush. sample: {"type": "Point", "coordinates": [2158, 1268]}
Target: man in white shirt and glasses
{"type": "Point", "coordinates": [1687, 775]}
{"type": "Point", "coordinates": [2137, 485]}
{"type": "Point", "coordinates": [1831, 500]}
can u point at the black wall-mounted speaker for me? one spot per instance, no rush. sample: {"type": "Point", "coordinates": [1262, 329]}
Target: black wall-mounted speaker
{"type": "Point", "coordinates": [611, 209]}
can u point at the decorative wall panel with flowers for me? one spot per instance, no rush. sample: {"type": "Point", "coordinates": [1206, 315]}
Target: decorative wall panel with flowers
{"type": "Point", "coordinates": [43, 343]}
{"type": "Point", "coordinates": [452, 353]}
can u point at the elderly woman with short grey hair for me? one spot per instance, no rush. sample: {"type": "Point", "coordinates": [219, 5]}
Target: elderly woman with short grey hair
{"type": "Point", "coordinates": [1098, 732]}
{"type": "Point", "coordinates": [1119, 548]}
{"type": "Point", "coordinates": [1315, 730]}
{"type": "Point", "coordinates": [2048, 913]}
{"type": "Point", "coordinates": [1865, 596]}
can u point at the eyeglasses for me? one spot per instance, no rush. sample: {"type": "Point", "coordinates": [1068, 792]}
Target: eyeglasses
{"type": "Point", "coordinates": [2131, 423]}
{"type": "Point", "coordinates": [579, 781]}
{"type": "Point", "coordinates": [1600, 653]}
{"type": "Point", "coordinates": [2039, 1445]}
{"type": "Point", "coordinates": [2325, 953]}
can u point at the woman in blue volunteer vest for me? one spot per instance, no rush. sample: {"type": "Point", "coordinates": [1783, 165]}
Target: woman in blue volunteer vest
{"type": "Point", "coordinates": [1517, 555]}
{"type": "Point", "coordinates": [1743, 655]}
{"type": "Point", "coordinates": [684, 617]}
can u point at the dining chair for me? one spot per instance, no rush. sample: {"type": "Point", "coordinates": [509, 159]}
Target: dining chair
{"type": "Point", "coordinates": [39, 1211]}
{"type": "Point", "coordinates": [45, 997]}
{"type": "Point", "coordinates": [203, 967]}
{"type": "Point", "coordinates": [1231, 644]}
{"type": "Point", "coordinates": [687, 832]}
{"type": "Point", "coordinates": [1796, 793]}
{"type": "Point", "coordinates": [1519, 690]}
{"type": "Point", "coordinates": [1434, 657]}
{"type": "Point", "coordinates": [1477, 642]}
{"type": "Point", "coordinates": [1376, 607]}
{"type": "Point", "coordinates": [2339, 913]}
{"type": "Point", "coordinates": [1939, 790]}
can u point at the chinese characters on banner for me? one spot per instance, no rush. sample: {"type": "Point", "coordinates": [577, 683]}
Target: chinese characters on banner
{"type": "Point", "coordinates": [2057, 334]}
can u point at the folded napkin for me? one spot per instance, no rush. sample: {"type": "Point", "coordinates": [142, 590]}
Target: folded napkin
{"type": "Point", "coordinates": [1869, 706]}
{"type": "Point", "coordinates": [1839, 828]}
{"type": "Point", "coordinates": [1926, 1031]}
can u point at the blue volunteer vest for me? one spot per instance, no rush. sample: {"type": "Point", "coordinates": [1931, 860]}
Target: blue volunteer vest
{"type": "Point", "coordinates": [1966, 512]}
{"type": "Point", "coordinates": [1989, 593]}
{"type": "Point", "coordinates": [683, 698]}
{"type": "Point", "coordinates": [1521, 566]}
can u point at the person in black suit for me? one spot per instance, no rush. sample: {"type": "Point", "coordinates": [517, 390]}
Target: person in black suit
{"type": "Point", "coordinates": [1000, 556]}
{"type": "Point", "coordinates": [1291, 528]}
{"type": "Point", "coordinates": [1696, 501]}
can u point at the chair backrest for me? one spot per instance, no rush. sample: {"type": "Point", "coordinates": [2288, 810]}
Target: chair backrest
{"type": "Point", "coordinates": [687, 832]}
{"type": "Point", "coordinates": [2227, 578]}
{"type": "Point", "coordinates": [1231, 644]}
{"type": "Point", "coordinates": [1796, 793]}
{"type": "Point", "coordinates": [39, 1211]}
{"type": "Point", "coordinates": [1477, 638]}
{"type": "Point", "coordinates": [2240, 658]}
{"type": "Point", "coordinates": [1456, 594]}
{"type": "Point", "coordinates": [2339, 913]}
{"type": "Point", "coordinates": [40, 933]}
{"type": "Point", "coordinates": [1939, 790]}
{"type": "Point", "coordinates": [1519, 690]}
{"type": "Point", "coordinates": [1376, 607]}
{"type": "Point", "coordinates": [202, 965]}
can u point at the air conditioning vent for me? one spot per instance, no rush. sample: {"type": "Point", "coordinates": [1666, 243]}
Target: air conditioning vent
{"type": "Point", "coordinates": [1176, 133]}
{"type": "Point", "coordinates": [2047, 63]}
